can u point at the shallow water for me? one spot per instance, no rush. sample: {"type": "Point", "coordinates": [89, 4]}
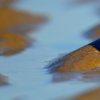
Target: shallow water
{"type": "Point", "coordinates": [62, 34]}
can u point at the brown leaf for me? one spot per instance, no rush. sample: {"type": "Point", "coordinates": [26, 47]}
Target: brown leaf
{"type": "Point", "coordinates": [11, 43]}
{"type": "Point", "coordinates": [17, 21]}
{"type": "Point", "coordinates": [89, 95]}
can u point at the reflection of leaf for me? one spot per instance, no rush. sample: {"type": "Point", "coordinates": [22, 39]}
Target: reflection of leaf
{"type": "Point", "coordinates": [60, 77]}
{"type": "Point", "coordinates": [91, 76]}
{"type": "Point", "coordinates": [94, 33]}
{"type": "Point", "coordinates": [11, 20]}
{"type": "Point", "coordinates": [3, 80]}
{"type": "Point", "coordinates": [12, 43]}
{"type": "Point", "coordinates": [84, 1]}
{"type": "Point", "coordinates": [92, 72]}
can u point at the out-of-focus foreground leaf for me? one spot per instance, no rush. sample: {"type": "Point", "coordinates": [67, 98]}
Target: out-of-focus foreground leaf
{"type": "Point", "coordinates": [11, 43]}
{"type": "Point", "coordinates": [92, 94]}
{"type": "Point", "coordinates": [14, 25]}
{"type": "Point", "coordinates": [89, 95]}
{"type": "Point", "coordinates": [17, 21]}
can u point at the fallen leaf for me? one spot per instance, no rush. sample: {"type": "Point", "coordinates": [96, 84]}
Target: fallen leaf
{"type": "Point", "coordinates": [89, 95]}
{"type": "Point", "coordinates": [19, 21]}
{"type": "Point", "coordinates": [11, 43]}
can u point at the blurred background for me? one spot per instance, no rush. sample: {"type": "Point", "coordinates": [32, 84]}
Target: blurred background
{"type": "Point", "coordinates": [35, 32]}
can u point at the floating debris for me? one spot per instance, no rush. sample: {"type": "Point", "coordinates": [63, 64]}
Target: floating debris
{"type": "Point", "coordinates": [94, 33]}
{"type": "Point", "coordinates": [3, 80]}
